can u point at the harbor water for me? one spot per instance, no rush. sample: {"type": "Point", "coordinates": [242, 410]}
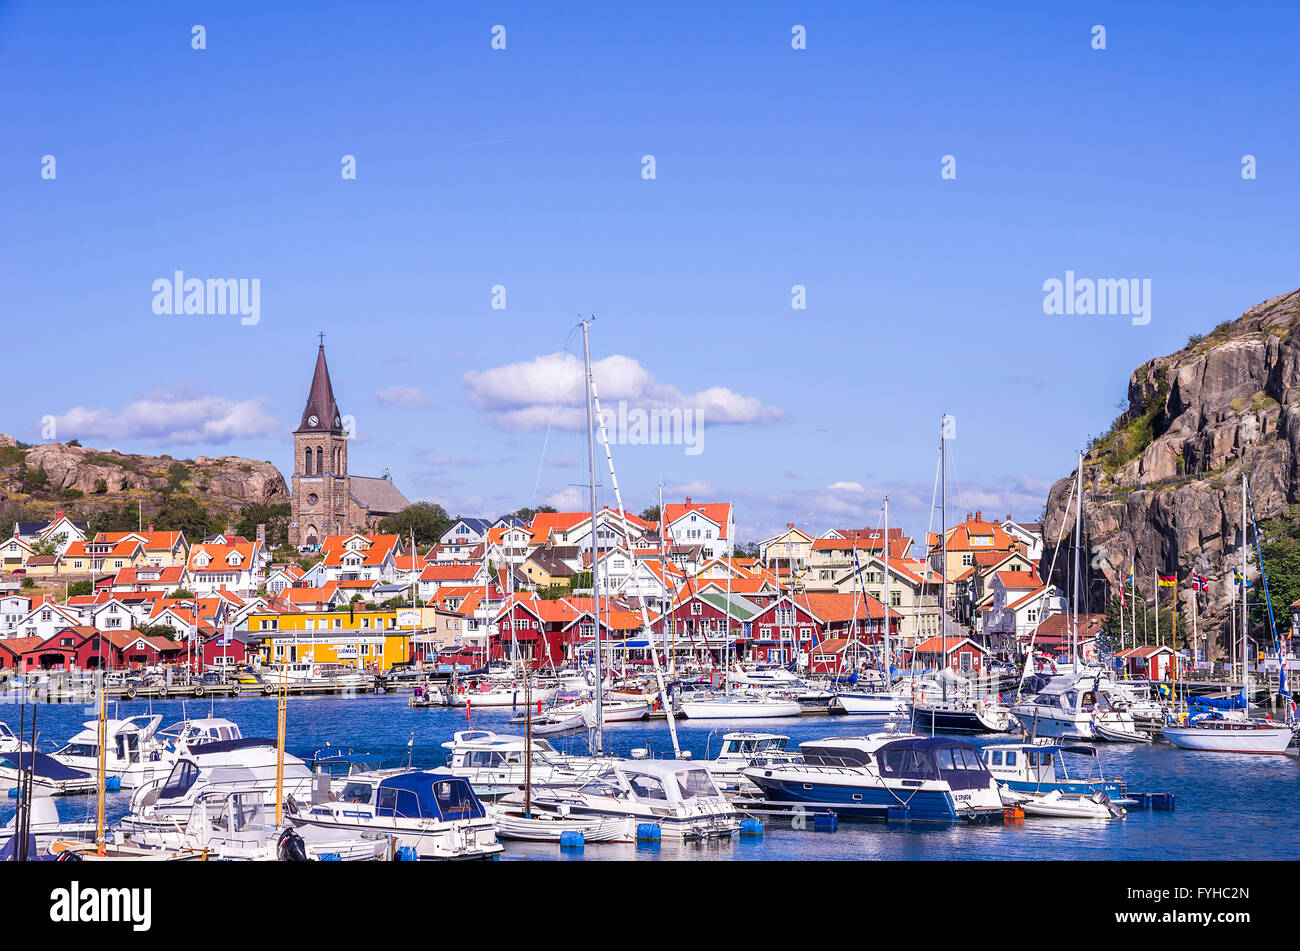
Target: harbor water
{"type": "Point", "coordinates": [1228, 807]}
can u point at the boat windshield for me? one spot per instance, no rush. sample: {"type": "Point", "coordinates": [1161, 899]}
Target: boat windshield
{"type": "Point", "coordinates": [183, 775]}
{"type": "Point", "coordinates": [606, 784]}
{"type": "Point", "coordinates": [648, 787]}
{"type": "Point", "coordinates": [696, 784]}
{"type": "Point", "coordinates": [357, 792]}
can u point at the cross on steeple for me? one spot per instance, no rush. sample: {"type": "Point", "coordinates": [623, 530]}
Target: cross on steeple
{"type": "Point", "coordinates": [322, 340]}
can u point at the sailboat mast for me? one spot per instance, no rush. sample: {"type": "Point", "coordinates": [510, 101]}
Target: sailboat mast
{"type": "Point", "coordinates": [888, 650]}
{"type": "Point", "coordinates": [1245, 666]}
{"type": "Point", "coordinates": [943, 533]}
{"type": "Point", "coordinates": [1078, 543]}
{"type": "Point", "coordinates": [595, 551]}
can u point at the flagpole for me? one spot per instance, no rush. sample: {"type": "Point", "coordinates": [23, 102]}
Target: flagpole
{"type": "Point", "coordinates": [1155, 576]}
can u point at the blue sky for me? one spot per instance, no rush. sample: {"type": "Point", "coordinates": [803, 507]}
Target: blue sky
{"type": "Point", "coordinates": [523, 168]}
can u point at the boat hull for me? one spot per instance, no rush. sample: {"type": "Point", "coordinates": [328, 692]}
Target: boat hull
{"type": "Point", "coordinates": [729, 710]}
{"type": "Point", "coordinates": [922, 804]}
{"type": "Point", "coordinates": [1252, 739]}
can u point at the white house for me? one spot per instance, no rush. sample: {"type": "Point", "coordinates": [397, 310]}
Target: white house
{"type": "Point", "coordinates": [708, 524]}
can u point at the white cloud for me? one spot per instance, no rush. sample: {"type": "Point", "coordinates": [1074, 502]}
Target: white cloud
{"type": "Point", "coordinates": [570, 499]}
{"type": "Point", "coordinates": [845, 487]}
{"type": "Point", "coordinates": [401, 396]}
{"type": "Point", "coordinates": [548, 390]}
{"type": "Point", "coordinates": [175, 416]}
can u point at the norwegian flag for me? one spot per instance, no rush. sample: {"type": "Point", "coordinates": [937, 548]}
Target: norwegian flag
{"type": "Point", "coordinates": [1200, 583]}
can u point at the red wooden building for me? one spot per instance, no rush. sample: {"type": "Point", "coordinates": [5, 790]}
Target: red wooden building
{"type": "Point", "coordinates": [809, 619]}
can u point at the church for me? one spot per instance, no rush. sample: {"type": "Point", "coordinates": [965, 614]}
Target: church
{"type": "Point", "coordinates": [326, 499]}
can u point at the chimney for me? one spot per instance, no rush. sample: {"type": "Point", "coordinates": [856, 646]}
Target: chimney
{"type": "Point", "coordinates": [688, 500]}
{"type": "Point", "coordinates": [979, 516]}
{"type": "Point", "coordinates": [151, 528]}
{"type": "Point", "coordinates": [789, 524]}
{"type": "Point", "coordinates": [58, 515]}
{"type": "Point", "coordinates": [968, 516]}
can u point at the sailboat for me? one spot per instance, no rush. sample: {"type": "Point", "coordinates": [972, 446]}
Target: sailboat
{"type": "Point", "coordinates": [958, 713]}
{"type": "Point", "coordinates": [1229, 727]}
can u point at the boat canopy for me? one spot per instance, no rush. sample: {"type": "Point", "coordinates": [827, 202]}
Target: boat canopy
{"type": "Point", "coordinates": [425, 795]}
{"type": "Point", "coordinates": [958, 764]}
{"type": "Point", "coordinates": [46, 767]}
{"type": "Point", "coordinates": [1219, 703]}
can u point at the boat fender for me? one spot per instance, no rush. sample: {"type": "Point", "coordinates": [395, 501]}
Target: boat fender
{"type": "Point", "coordinates": [162, 693]}
{"type": "Point", "coordinates": [130, 693]}
{"type": "Point", "coordinates": [572, 839]}
{"type": "Point", "coordinates": [234, 690]}
{"type": "Point", "coordinates": [198, 691]}
{"type": "Point", "coordinates": [291, 805]}
{"type": "Point", "coordinates": [290, 847]}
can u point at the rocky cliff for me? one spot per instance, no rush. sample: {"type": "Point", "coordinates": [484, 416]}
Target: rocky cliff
{"type": "Point", "coordinates": [1162, 489]}
{"type": "Point", "coordinates": [84, 481]}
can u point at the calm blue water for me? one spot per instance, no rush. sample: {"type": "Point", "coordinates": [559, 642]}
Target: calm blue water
{"type": "Point", "coordinates": [1228, 807]}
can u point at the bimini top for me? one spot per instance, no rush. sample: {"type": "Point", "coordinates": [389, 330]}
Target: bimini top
{"type": "Point", "coordinates": [433, 794]}
{"type": "Point", "coordinates": [46, 767]}
{"type": "Point", "coordinates": [958, 764]}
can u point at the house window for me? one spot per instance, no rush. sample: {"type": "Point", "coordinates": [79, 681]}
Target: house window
{"type": "Point", "coordinates": [697, 608]}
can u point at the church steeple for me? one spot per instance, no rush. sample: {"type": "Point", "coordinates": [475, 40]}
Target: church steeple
{"type": "Point", "coordinates": [321, 414]}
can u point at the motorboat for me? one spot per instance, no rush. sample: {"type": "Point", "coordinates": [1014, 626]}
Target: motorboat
{"type": "Point", "coordinates": [47, 827]}
{"type": "Point", "coordinates": [237, 825]}
{"type": "Point", "coordinates": [8, 742]}
{"type": "Point", "coordinates": [530, 825]}
{"type": "Point", "coordinates": [551, 723]}
{"type": "Point", "coordinates": [428, 695]}
{"type": "Point", "coordinates": [484, 693]}
{"type": "Point", "coordinates": [612, 711]}
{"type": "Point", "coordinates": [743, 749]}
{"type": "Point", "coordinates": [985, 715]}
{"type": "Point", "coordinates": [49, 776]}
{"type": "Point", "coordinates": [495, 764]}
{"type": "Point", "coordinates": [1059, 805]}
{"type": "Point", "coordinates": [763, 676]}
{"type": "Point", "coordinates": [1071, 709]}
{"type": "Point", "coordinates": [1038, 768]}
{"type": "Point", "coordinates": [885, 775]}
{"type": "Point", "coordinates": [879, 704]}
{"type": "Point", "coordinates": [679, 797]}
{"type": "Point", "coordinates": [740, 707]}
{"type": "Point", "coordinates": [134, 755]}
{"type": "Point", "coordinates": [326, 676]}
{"type": "Point", "coordinates": [432, 813]}
{"type": "Point", "coordinates": [185, 736]}
{"type": "Point", "coordinates": [248, 764]}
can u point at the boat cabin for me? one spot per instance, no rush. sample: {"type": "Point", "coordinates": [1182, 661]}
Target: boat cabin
{"type": "Point", "coordinates": [431, 794]}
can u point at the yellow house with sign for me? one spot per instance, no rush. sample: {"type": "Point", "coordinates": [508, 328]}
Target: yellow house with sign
{"type": "Point", "coordinates": [361, 639]}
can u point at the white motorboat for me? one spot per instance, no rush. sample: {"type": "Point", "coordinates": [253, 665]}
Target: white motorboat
{"type": "Point", "coordinates": [486, 694]}
{"type": "Point", "coordinates": [882, 704]}
{"type": "Point", "coordinates": [133, 755]}
{"type": "Point", "coordinates": [611, 711]}
{"type": "Point", "coordinates": [429, 695]}
{"type": "Point", "coordinates": [513, 822]}
{"type": "Point", "coordinates": [432, 813]}
{"type": "Point", "coordinates": [244, 765]}
{"type": "Point", "coordinates": [762, 676]}
{"type": "Point", "coordinates": [495, 764]}
{"type": "Point", "coordinates": [47, 827]}
{"type": "Point", "coordinates": [918, 778]}
{"type": "Point", "coordinates": [1075, 710]}
{"type": "Point", "coordinates": [330, 676]}
{"type": "Point", "coordinates": [739, 707]}
{"type": "Point", "coordinates": [743, 749]}
{"type": "Point", "coordinates": [8, 742]}
{"type": "Point", "coordinates": [234, 825]}
{"type": "Point", "coordinates": [1059, 805]}
{"type": "Point", "coordinates": [679, 797]}
{"type": "Point", "coordinates": [50, 777]}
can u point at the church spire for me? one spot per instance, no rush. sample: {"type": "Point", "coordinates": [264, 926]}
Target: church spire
{"type": "Point", "coordinates": [321, 414]}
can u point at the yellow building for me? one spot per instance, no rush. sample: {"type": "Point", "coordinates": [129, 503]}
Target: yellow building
{"type": "Point", "coordinates": [356, 639]}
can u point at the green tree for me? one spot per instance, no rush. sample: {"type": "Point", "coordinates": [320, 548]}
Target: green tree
{"type": "Point", "coordinates": [1279, 546]}
{"type": "Point", "coordinates": [428, 520]}
{"type": "Point", "coordinates": [274, 517]}
{"type": "Point", "coordinates": [184, 513]}
{"type": "Point", "coordinates": [527, 513]}
{"type": "Point", "coordinates": [80, 589]}
{"type": "Point", "coordinates": [651, 514]}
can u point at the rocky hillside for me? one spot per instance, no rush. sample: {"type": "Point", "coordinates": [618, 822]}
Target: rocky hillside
{"type": "Point", "coordinates": [83, 481]}
{"type": "Point", "coordinates": [1162, 489]}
